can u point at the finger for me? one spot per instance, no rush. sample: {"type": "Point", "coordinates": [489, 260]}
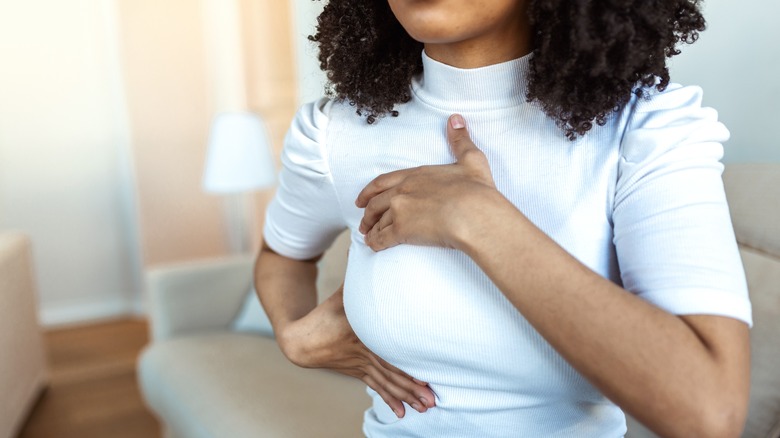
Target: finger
{"type": "Point", "coordinates": [394, 403]}
{"type": "Point", "coordinates": [379, 185]}
{"type": "Point", "coordinates": [419, 388]}
{"type": "Point", "coordinates": [385, 221]}
{"type": "Point", "coordinates": [458, 138]}
{"type": "Point", "coordinates": [375, 209]}
{"type": "Point", "coordinates": [401, 386]}
{"type": "Point", "coordinates": [394, 389]}
{"type": "Point", "coordinates": [379, 240]}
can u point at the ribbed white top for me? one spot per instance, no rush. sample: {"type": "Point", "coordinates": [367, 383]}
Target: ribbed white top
{"type": "Point", "coordinates": [477, 89]}
{"type": "Point", "coordinates": [640, 201]}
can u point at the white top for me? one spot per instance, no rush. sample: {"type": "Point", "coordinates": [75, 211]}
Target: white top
{"type": "Point", "coordinates": [640, 201]}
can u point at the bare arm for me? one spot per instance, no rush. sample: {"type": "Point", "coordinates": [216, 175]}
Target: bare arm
{"type": "Point", "coordinates": [680, 375]}
{"type": "Point", "coordinates": [319, 336]}
{"type": "Point", "coordinates": [286, 288]}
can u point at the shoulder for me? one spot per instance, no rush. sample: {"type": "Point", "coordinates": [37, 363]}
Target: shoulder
{"type": "Point", "coordinates": [312, 118]}
{"type": "Point", "coordinates": [673, 97]}
{"type": "Point", "coordinates": [669, 120]}
{"type": "Point", "coordinates": [304, 144]}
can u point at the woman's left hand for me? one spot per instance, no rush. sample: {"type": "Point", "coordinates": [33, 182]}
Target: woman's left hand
{"type": "Point", "coordinates": [430, 205]}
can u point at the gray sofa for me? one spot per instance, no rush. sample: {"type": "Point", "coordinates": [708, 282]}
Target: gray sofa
{"type": "Point", "coordinates": [205, 381]}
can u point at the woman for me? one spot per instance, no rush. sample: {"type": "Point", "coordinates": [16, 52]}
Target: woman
{"type": "Point", "coordinates": [579, 261]}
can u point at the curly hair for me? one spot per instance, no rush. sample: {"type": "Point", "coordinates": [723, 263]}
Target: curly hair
{"type": "Point", "coordinates": [589, 56]}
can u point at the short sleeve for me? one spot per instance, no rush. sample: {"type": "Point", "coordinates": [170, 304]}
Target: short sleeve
{"type": "Point", "coordinates": [672, 230]}
{"type": "Point", "coordinates": [304, 217]}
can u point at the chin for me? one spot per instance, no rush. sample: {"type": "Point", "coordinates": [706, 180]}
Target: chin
{"type": "Point", "coordinates": [439, 31]}
{"type": "Point", "coordinates": [431, 21]}
{"type": "Point", "coordinates": [432, 36]}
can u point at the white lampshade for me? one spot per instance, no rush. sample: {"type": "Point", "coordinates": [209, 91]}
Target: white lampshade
{"type": "Point", "coordinates": [239, 155]}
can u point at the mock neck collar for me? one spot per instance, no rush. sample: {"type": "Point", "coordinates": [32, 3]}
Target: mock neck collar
{"type": "Point", "coordinates": [494, 86]}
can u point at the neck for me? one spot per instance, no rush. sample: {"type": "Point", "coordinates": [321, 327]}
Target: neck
{"type": "Point", "coordinates": [470, 57]}
{"type": "Point", "coordinates": [510, 41]}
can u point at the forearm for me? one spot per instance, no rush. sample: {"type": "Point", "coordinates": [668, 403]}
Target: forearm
{"type": "Point", "coordinates": [315, 336]}
{"type": "Point", "coordinates": [651, 363]}
{"type": "Point", "coordinates": [286, 287]}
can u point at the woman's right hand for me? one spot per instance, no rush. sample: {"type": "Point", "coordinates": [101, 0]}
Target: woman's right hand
{"type": "Point", "coordinates": [324, 339]}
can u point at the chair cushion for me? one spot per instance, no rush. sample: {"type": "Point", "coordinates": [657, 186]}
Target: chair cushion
{"type": "Point", "coordinates": [775, 432]}
{"type": "Point", "coordinates": [240, 385]}
{"type": "Point", "coordinates": [753, 192]}
{"type": "Point", "coordinates": [763, 275]}
{"type": "Point", "coordinates": [252, 317]}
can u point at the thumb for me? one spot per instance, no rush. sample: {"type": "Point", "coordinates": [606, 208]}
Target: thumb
{"type": "Point", "coordinates": [458, 137]}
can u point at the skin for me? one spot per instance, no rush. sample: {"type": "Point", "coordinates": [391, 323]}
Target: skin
{"type": "Point", "coordinates": [679, 375]}
{"type": "Point", "coordinates": [467, 33]}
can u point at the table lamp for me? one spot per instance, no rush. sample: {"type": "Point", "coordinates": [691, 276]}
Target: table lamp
{"type": "Point", "coordinates": [239, 161]}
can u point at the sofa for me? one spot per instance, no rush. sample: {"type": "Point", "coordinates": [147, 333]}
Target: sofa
{"type": "Point", "coordinates": [23, 372]}
{"type": "Point", "coordinates": [204, 380]}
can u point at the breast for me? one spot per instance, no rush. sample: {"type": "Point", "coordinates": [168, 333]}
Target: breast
{"type": "Point", "coordinates": [434, 314]}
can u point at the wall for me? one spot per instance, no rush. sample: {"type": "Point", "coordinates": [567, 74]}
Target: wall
{"type": "Point", "coordinates": [311, 80]}
{"type": "Point", "coordinates": [737, 63]}
{"type": "Point", "coordinates": [184, 61]}
{"type": "Point", "coordinates": [104, 117]}
{"type": "Point", "coordinates": [64, 173]}
{"type": "Point", "coordinates": [269, 54]}
{"type": "Point", "coordinates": [162, 50]}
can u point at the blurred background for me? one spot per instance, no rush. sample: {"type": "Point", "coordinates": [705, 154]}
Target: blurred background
{"type": "Point", "coordinates": [106, 112]}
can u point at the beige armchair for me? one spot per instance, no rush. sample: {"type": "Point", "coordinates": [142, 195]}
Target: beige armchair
{"type": "Point", "coordinates": [204, 380]}
{"type": "Point", "coordinates": [23, 372]}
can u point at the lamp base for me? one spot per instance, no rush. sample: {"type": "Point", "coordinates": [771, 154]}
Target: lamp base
{"type": "Point", "coordinates": [238, 223]}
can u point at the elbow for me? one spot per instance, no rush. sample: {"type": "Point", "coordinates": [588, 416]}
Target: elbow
{"type": "Point", "coordinates": [291, 345]}
{"type": "Point", "coordinates": [287, 344]}
{"type": "Point", "coordinates": [713, 415]}
{"type": "Point", "coordinates": [724, 418]}
{"type": "Point", "coordinates": [293, 354]}
{"type": "Point", "coordinates": [725, 409]}
{"type": "Point", "coordinates": [725, 421]}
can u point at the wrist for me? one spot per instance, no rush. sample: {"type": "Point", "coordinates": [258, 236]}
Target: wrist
{"type": "Point", "coordinates": [488, 216]}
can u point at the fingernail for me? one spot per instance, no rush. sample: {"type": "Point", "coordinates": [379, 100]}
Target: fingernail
{"type": "Point", "coordinates": [457, 122]}
{"type": "Point", "coordinates": [398, 413]}
{"type": "Point", "coordinates": [416, 407]}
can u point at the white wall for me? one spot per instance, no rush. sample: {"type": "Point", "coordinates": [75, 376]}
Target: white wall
{"type": "Point", "coordinates": [65, 178]}
{"type": "Point", "coordinates": [737, 63]}
{"type": "Point", "coordinates": [311, 80]}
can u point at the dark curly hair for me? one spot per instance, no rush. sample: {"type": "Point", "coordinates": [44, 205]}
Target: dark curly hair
{"type": "Point", "coordinates": [589, 56]}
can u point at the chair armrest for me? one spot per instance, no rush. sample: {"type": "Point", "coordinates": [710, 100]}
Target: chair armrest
{"type": "Point", "coordinates": [199, 296]}
{"type": "Point", "coordinates": [752, 191]}
{"type": "Point", "coordinates": [23, 372]}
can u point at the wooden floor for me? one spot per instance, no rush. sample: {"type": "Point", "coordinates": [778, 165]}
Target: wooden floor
{"type": "Point", "coordinates": [93, 390]}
